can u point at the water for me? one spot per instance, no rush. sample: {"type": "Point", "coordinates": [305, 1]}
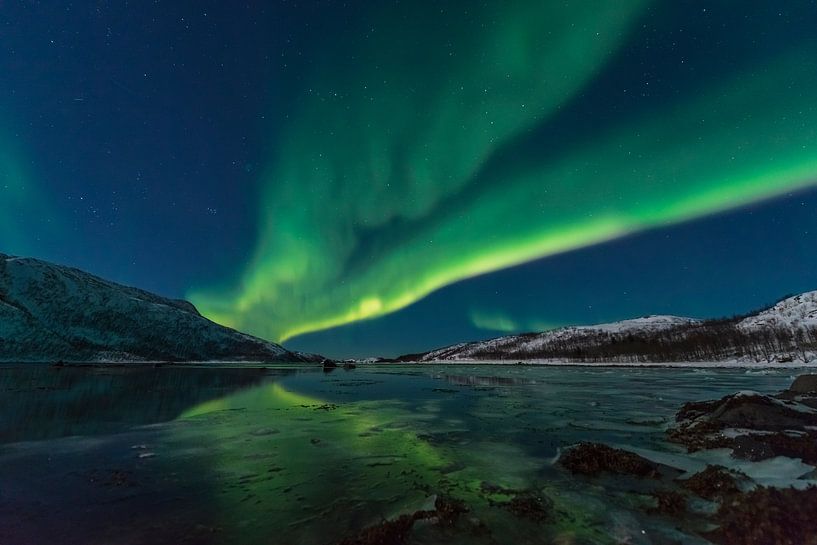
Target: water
{"type": "Point", "coordinates": [294, 455]}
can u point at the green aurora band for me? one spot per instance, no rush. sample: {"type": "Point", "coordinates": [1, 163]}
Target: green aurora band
{"type": "Point", "coordinates": [17, 201]}
{"type": "Point", "coordinates": [371, 453]}
{"type": "Point", "coordinates": [400, 175]}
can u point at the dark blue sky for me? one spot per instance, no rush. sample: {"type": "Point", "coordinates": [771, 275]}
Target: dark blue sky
{"type": "Point", "coordinates": [727, 264]}
{"type": "Point", "coordinates": [144, 125]}
{"type": "Point", "coordinates": [135, 140]}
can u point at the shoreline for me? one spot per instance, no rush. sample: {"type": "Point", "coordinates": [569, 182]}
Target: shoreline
{"type": "Point", "coordinates": [726, 364]}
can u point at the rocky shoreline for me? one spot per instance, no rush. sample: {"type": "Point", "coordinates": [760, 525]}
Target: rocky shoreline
{"type": "Point", "coordinates": [719, 504]}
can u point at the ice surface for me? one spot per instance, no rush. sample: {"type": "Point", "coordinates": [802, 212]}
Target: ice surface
{"type": "Point", "coordinates": [310, 458]}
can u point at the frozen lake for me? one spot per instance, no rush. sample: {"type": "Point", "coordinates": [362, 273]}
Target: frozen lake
{"type": "Point", "coordinates": [294, 455]}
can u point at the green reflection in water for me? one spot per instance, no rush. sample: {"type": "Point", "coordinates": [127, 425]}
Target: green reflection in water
{"type": "Point", "coordinates": [293, 468]}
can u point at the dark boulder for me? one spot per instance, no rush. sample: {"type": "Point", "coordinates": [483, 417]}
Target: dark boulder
{"type": "Point", "coordinates": [768, 516]}
{"type": "Point", "coordinates": [804, 384]}
{"type": "Point", "coordinates": [792, 444]}
{"type": "Point", "coordinates": [714, 482]}
{"type": "Point", "coordinates": [535, 507]}
{"type": "Point", "coordinates": [389, 532]}
{"type": "Point", "coordinates": [329, 366]}
{"type": "Point", "coordinates": [594, 458]}
{"type": "Point", "coordinates": [702, 425]}
{"type": "Point", "coordinates": [751, 446]}
{"type": "Point", "coordinates": [446, 512]}
{"type": "Point", "coordinates": [668, 502]}
{"type": "Point", "coordinates": [757, 412]}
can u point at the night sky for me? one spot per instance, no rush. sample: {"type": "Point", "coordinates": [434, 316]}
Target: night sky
{"type": "Point", "coordinates": [374, 178]}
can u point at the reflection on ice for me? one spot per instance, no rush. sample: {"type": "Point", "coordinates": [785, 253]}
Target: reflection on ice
{"type": "Point", "coordinates": [312, 458]}
{"type": "Point", "coordinates": [474, 380]}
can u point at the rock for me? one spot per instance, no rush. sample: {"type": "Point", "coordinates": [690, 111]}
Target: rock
{"type": "Point", "coordinates": [447, 510]}
{"type": "Point", "coordinates": [699, 435]}
{"type": "Point", "coordinates": [349, 366]}
{"type": "Point", "coordinates": [395, 532]}
{"type": "Point", "coordinates": [702, 426]}
{"type": "Point", "coordinates": [754, 411]}
{"type": "Point", "coordinates": [714, 482]}
{"type": "Point", "coordinates": [595, 458]}
{"type": "Point", "coordinates": [803, 390]}
{"type": "Point", "coordinates": [693, 410]}
{"type": "Point", "coordinates": [389, 532]}
{"type": "Point", "coordinates": [532, 507]}
{"type": "Point", "coordinates": [752, 447]}
{"type": "Point", "coordinates": [804, 384]}
{"type": "Point", "coordinates": [757, 447]}
{"type": "Point", "coordinates": [768, 516]}
{"type": "Point", "coordinates": [668, 502]}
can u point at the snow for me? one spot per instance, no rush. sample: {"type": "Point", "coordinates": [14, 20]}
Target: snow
{"type": "Point", "coordinates": [646, 323]}
{"type": "Point", "coordinates": [798, 312]}
{"type": "Point", "coordinates": [464, 351]}
{"type": "Point", "coordinates": [794, 313]}
{"type": "Point", "coordinates": [788, 404]}
{"type": "Point", "coordinates": [779, 471]}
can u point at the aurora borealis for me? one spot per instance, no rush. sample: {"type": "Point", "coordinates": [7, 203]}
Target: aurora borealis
{"type": "Point", "coordinates": [299, 169]}
{"type": "Point", "coordinates": [408, 185]}
{"type": "Point", "coordinates": [17, 198]}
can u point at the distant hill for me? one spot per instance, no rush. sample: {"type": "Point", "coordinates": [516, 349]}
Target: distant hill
{"type": "Point", "coordinates": [52, 313]}
{"type": "Point", "coordinates": [785, 332]}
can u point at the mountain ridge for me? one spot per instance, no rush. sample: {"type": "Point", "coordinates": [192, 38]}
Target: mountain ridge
{"type": "Point", "coordinates": [52, 313]}
{"type": "Point", "coordinates": [784, 332]}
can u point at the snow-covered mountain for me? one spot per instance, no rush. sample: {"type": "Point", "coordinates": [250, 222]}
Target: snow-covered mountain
{"type": "Point", "coordinates": [785, 332]}
{"type": "Point", "coordinates": [798, 312]}
{"type": "Point", "coordinates": [52, 313]}
{"type": "Point", "coordinates": [535, 342]}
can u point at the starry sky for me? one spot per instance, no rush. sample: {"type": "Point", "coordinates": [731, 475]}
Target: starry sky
{"type": "Point", "coordinates": [359, 178]}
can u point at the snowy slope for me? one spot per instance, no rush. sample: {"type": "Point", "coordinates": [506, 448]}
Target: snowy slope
{"type": "Point", "coordinates": [534, 342]}
{"type": "Point", "coordinates": [646, 323]}
{"type": "Point", "coordinates": [50, 313]}
{"type": "Point", "coordinates": [796, 312]}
